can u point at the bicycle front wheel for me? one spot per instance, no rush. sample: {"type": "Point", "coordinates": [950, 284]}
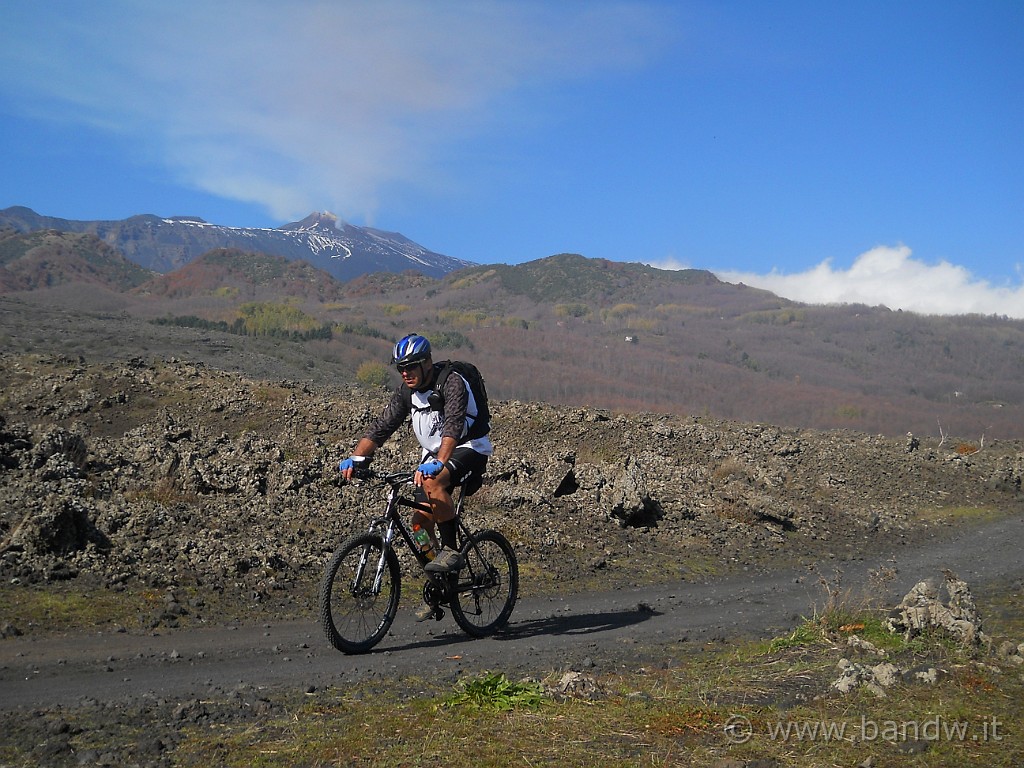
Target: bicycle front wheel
{"type": "Point", "coordinates": [486, 589]}
{"type": "Point", "coordinates": [359, 593]}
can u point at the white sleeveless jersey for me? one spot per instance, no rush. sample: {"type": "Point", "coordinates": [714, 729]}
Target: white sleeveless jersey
{"type": "Point", "coordinates": [427, 423]}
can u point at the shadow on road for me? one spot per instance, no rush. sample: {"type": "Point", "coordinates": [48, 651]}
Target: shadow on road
{"type": "Point", "coordinates": [580, 624]}
{"type": "Point", "coordinates": [574, 625]}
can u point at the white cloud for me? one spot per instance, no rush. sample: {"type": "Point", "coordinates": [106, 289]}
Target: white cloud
{"type": "Point", "coordinates": [890, 277]}
{"type": "Point", "coordinates": [304, 104]}
{"type": "Point", "coordinates": [670, 262]}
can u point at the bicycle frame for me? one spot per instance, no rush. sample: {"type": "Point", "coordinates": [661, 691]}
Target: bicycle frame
{"type": "Point", "coordinates": [391, 526]}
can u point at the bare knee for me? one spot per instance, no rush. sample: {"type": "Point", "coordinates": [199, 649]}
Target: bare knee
{"type": "Point", "coordinates": [436, 489]}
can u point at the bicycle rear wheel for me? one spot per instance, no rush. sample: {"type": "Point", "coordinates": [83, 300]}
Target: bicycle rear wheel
{"type": "Point", "coordinates": [486, 589]}
{"type": "Point", "coordinates": [359, 593]}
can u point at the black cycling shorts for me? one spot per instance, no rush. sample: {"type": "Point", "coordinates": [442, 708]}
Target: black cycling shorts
{"type": "Point", "coordinates": [466, 468]}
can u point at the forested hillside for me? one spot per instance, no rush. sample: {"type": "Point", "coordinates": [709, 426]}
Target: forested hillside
{"type": "Point", "coordinates": [624, 337]}
{"type": "Point", "coordinates": [48, 258]}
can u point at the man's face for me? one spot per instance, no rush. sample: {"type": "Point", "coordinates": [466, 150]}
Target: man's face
{"type": "Point", "coordinates": [414, 374]}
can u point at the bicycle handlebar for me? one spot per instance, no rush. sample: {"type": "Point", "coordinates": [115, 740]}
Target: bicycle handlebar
{"type": "Point", "coordinates": [391, 478]}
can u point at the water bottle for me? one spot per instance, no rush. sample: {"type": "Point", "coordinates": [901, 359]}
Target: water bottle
{"type": "Point", "coordinates": [422, 538]}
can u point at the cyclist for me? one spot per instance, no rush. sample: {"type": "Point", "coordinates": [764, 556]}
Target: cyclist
{"type": "Point", "coordinates": [448, 459]}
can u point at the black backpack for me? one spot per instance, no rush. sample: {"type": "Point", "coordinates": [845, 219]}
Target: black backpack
{"type": "Point", "coordinates": [482, 421]}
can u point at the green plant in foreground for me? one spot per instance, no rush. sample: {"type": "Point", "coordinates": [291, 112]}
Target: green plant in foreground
{"type": "Point", "coordinates": [807, 632]}
{"type": "Point", "coordinates": [495, 691]}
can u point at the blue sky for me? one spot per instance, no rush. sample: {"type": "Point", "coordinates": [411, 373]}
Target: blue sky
{"type": "Point", "coordinates": [828, 151]}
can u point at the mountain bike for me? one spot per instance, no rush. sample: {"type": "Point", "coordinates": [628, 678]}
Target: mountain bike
{"type": "Point", "coordinates": [362, 584]}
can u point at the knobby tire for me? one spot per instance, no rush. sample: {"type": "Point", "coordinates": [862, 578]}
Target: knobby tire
{"type": "Point", "coordinates": [488, 586]}
{"type": "Point", "coordinates": [354, 616]}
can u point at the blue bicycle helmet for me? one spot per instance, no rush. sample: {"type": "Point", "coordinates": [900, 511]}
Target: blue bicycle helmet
{"type": "Point", "coordinates": [411, 349]}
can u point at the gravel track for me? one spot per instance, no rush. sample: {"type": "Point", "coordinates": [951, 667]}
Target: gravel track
{"type": "Point", "coordinates": [595, 630]}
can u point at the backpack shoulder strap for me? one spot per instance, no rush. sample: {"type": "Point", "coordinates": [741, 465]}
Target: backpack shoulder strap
{"type": "Point", "coordinates": [443, 371]}
{"type": "Point", "coordinates": [442, 375]}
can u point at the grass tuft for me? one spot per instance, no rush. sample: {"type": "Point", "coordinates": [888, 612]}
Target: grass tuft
{"type": "Point", "coordinates": [494, 691]}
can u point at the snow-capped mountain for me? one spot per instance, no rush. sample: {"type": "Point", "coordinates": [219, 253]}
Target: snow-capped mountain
{"type": "Point", "coordinates": [165, 244]}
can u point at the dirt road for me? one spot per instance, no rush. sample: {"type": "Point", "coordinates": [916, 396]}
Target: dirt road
{"type": "Point", "coordinates": [592, 631]}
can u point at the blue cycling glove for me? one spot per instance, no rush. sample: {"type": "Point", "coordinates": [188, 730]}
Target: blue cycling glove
{"type": "Point", "coordinates": [430, 468]}
{"type": "Point", "coordinates": [354, 462]}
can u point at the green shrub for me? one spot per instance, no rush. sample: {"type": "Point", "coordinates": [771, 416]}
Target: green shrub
{"type": "Point", "coordinates": [572, 310]}
{"type": "Point", "coordinates": [450, 340]}
{"type": "Point", "coordinates": [373, 374]}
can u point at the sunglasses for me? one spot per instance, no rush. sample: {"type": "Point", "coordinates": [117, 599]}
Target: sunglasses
{"type": "Point", "coordinates": [405, 367]}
